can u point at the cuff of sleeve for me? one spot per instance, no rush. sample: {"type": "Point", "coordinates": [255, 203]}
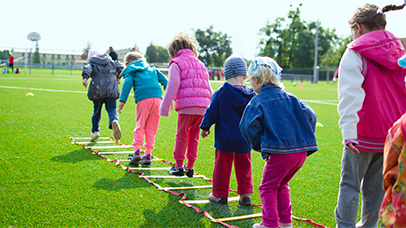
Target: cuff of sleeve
{"type": "Point", "coordinates": [348, 141]}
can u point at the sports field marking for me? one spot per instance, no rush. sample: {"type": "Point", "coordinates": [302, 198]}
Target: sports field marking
{"type": "Point", "coordinates": [327, 102]}
{"type": "Point", "coordinates": [48, 90]}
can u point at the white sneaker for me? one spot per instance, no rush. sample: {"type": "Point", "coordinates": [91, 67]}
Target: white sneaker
{"type": "Point", "coordinates": [95, 135]}
{"type": "Point", "coordinates": [116, 129]}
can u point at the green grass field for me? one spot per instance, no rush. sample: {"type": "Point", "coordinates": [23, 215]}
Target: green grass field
{"type": "Point", "coordinates": [45, 180]}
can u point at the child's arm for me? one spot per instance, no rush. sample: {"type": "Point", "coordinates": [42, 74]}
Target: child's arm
{"type": "Point", "coordinates": [162, 79]}
{"type": "Point", "coordinates": [251, 127]}
{"type": "Point", "coordinates": [125, 90]}
{"type": "Point", "coordinates": [172, 89]}
{"type": "Point", "coordinates": [211, 116]}
{"type": "Point", "coordinates": [86, 73]}
{"type": "Point", "coordinates": [310, 113]}
{"type": "Point", "coordinates": [119, 68]}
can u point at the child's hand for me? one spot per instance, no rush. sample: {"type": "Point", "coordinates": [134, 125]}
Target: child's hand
{"type": "Point", "coordinates": [121, 106]}
{"type": "Point", "coordinates": [171, 107]}
{"type": "Point", "coordinates": [205, 133]}
{"type": "Point", "coordinates": [352, 148]}
{"type": "Point", "coordinates": [85, 82]}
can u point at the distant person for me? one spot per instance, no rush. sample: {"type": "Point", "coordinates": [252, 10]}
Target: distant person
{"type": "Point", "coordinates": [11, 62]}
{"type": "Point", "coordinates": [281, 127]}
{"type": "Point", "coordinates": [204, 62]}
{"type": "Point", "coordinates": [225, 111]}
{"type": "Point", "coordinates": [189, 86]}
{"type": "Point", "coordinates": [144, 80]}
{"type": "Point", "coordinates": [372, 95]}
{"type": "Point", "coordinates": [112, 53]}
{"type": "Point", "coordinates": [17, 71]}
{"type": "Point", "coordinates": [103, 89]}
{"type": "Point", "coordinates": [5, 71]}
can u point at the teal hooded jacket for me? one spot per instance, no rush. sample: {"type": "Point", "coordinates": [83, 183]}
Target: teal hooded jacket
{"type": "Point", "coordinates": [144, 80]}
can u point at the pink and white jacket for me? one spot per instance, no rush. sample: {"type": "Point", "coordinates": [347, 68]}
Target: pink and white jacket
{"type": "Point", "coordinates": [371, 89]}
{"type": "Point", "coordinates": [188, 85]}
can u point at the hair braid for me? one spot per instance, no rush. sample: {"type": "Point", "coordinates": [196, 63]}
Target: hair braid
{"type": "Point", "coordinates": [393, 7]}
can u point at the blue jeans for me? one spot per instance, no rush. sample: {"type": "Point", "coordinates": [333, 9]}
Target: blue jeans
{"type": "Point", "coordinates": [360, 173]}
{"type": "Point", "coordinates": [111, 108]}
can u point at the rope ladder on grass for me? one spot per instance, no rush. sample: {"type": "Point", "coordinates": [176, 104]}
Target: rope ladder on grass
{"type": "Point", "coordinates": [103, 145]}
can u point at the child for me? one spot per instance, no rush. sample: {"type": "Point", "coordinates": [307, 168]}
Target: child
{"type": "Point", "coordinates": [17, 71]}
{"type": "Point", "coordinates": [393, 212]}
{"type": "Point", "coordinates": [103, 89]}
{"type": "Point", "coordinates": [371, 95]}
{"type": "Point", "coordinates": [281, 127]}
{"type": "Point", "coordinates": [148, 96]}
{"type": "Point", "coordinates": [225, 110]}
{"type": "Point", "coordinates": [190, 88]}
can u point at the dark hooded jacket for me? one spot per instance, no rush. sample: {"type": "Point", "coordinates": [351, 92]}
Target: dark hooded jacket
{"type": "Point", "coordinates": [225, 111]}
{"type": "Point", "coordinates": [103, 71]}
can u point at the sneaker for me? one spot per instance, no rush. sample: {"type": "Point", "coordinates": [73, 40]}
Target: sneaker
{"type": "Point", "coordinates": [216, 199]}
{"type": "Point", "coordinates": [116, 129]}
{"type": "Point", "coordinates": [259, 225]}
{"type": "Point", "coordinates": [146, 160]}
{"type": "Point", "coordinates": [285, 225]}
{"type": "Point", "coordinates": [245, 199]}
{"type": "Point", "coordinates": [188, 172]}
{"type": "Point", "coordinates": [176, 171]}
{"type": "Point", "coordinates": [95, 135]}
{"type": "Point", "coordinates": [135, 158]}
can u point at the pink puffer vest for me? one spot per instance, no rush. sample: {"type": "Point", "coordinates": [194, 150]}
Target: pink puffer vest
{"type": "Point", "coordinates": [194, 81]}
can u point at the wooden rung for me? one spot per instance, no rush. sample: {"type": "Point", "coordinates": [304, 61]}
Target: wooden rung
{"type": "Point", "coordinates": [95, 142]}
{"type": "Point", "coordinates": [207, 201]}
{"type": "Point", "coordinates": [129, 159]}
{"type": "Point", "coordinates": [238, 218]}
{"type": "Point", "coordinates": [90, 138]}
{"type": "Point", "coordinates": [111, 147]}
{"type": "Point", "coordinates": [173, 177]}
{"type": "Point", "coordinates": [151, 168]}
{"type": "Point", "coordinates": [187, 187]}
{"type": "Point", "coordinates": [117, 152]}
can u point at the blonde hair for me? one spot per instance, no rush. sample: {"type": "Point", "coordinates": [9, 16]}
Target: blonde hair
{"type": "Point", "coordinates": [132, 57]}
{"type": "Point", "coordinates": [267, 76]}
{"type": "Point", "coordinates": [182, 41]}
{"type": "Point", "coordinates": [371, 17]}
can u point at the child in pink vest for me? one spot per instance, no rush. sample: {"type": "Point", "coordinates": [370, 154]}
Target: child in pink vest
{"type": "Point", "coordinates": [189, 86]}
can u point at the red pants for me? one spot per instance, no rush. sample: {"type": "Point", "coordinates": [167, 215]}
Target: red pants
{"type": "Point", "coordinates": [187, 139]}
{"type": "Point", "coordinates": [222, 172]}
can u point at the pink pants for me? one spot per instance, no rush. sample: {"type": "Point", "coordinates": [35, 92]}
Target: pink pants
{"type": "Point", "coordinates": [274, 189]}
{"type": "Point", "coordinates": [187, 139]}
{"type": "Point", "coordinates": [223, 165]}
{"type": "Point", "coordinates": [147, 122]}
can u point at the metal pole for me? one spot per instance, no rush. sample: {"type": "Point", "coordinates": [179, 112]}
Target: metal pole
{"type": "Point", "coordinates": [315, 79]}
{"type": "Point", "coordinates": [25, 62]}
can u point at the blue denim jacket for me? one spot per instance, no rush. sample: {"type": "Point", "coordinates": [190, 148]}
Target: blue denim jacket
{"type": "Point", "coordinates": [276, 121]}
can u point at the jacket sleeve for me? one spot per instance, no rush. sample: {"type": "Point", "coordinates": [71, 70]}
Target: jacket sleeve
{"type": "Point", "coordinates": [87, 71]}
{"type": "Point", "coordinates": [251, 127]}
{"type": "Point", "coordinates": [211, 115]}
{"type": "Point", "coordinates": [126, 88]}
{"type": "Point", "coordinates": [119, 68]}
{"type": "Point", "coordinates": [172, 90]}
{"type": "Point", "coordinates": [310, 113]}
{"type": "Point", "coordinates": [162, 79]}
{"type": "Point", "coordinates": [351, 95]}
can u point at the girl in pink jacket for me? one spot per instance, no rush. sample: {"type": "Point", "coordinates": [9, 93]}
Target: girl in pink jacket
{"type": "Point", "coordinates": [189, 86]}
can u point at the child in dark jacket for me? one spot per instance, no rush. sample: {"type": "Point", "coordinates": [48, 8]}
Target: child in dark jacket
{"type": "Point", "coordinates": [225, 111]}
{"type": "Point", "coordinates": [281, 127]}
{"type": "Point", "coordinates": [103, 89]}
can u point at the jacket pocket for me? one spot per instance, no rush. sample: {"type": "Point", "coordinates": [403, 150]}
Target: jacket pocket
{"type": "Point", "coordinates": [94, 91]}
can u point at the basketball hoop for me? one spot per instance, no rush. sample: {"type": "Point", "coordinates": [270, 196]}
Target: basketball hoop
{"type": "Point", "coordinates": [33, 36]}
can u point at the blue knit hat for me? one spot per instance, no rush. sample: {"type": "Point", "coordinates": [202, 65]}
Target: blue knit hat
{"type": "Point", "coordinates": [234, 66]}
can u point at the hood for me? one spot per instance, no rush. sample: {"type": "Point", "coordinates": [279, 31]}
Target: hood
{"type": "Point", "coordinates": [103, 59]}
{"type": "Point", "coordinates": [238, 96]}
{"type": "Point", "coordinates": [140, 65]}
{"type": "Point", "coordinates": [381, 47]}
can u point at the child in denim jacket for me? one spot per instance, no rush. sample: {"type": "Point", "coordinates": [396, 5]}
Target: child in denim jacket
{"type": "Point", "coordinates": [281, 127]}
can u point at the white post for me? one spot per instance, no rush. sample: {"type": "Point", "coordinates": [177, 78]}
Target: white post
{"type": "Point", "coordinates": [315, 79]}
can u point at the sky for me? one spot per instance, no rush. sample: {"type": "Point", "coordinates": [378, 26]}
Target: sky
{"type": "Point", "coordinates": [70, 25]}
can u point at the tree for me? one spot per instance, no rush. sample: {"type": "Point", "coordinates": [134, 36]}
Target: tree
{"type": "Point", "coordinates": [4, 54]}
{"type": "Point", "coordinates": [162, 53]}
{"type": "Point", "coordinates": [214, 47]}
{"type": "Point", "coordinates": [36, 58]}
{"type": "Point", "coordinates": [333, 56]}
{"type": "Point", "coordinates": [151, 54]}
{"type": "Point", "coordinates": [293, 46]}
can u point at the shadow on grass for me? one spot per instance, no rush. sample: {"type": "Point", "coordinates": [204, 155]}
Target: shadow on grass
{"type": "Point", "coordinates": [128, 181]}
{"type": "Point", "coordinates": [76, 156]}
{"type": "Point", "coordinates": [173, 211]}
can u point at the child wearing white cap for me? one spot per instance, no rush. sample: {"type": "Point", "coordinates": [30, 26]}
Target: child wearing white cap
{"type": "Point", "coordinates": [281, 127]}
{"type": "Point", "coordinates": [225, 111]}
